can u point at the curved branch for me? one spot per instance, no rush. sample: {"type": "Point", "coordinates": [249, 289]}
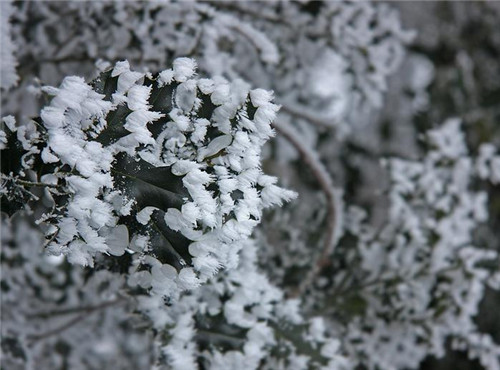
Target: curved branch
{"type": "Point", "coordinates": [87, 310]}
{"type": "Point", "coordinates": [326, 184]}
{"type": "Point", "coordinates": [33, 338]}
{"type": "Point", "coordinates": [305, 114]}
{"type": "Point", "coordinates": [77, 309]}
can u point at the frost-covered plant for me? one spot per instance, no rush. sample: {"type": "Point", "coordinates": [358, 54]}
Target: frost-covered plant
{"type": "Point", "coordinates": [160, 174]}
{"type": "Point", "coordinates": [422, 275]}
{"type": "Point", "coordinates": [73, 314]}
{"type": "Point", "coordinates": [258, 328]}
{"type": "Point", "coordinates": [50, 307]}
{"type": "Point", "coordinates": [401, 291]}
{"type": "Point", "coordinates": [171, 161]}
{"type": "Point", "coordinates": [325, 60]}
{"type": "Point", "coordinates": [144, 188]}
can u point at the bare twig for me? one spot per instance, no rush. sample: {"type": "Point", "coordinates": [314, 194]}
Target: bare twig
{"type": "Point", "coordinates": [70, 310]}
{"type": "Point", "coordinates": [33, 338]}
{"type": "Point", "coordinates": [208, 336]}
{"type": "Point", "coordinates": [325, 182]}
{"type": "Point", "coordinates": [86, 311]}
{"type": "Point", "coordinates": [31, 183]}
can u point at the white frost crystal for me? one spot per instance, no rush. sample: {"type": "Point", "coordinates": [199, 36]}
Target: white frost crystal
{"type": "Point", "coordinates": [217, 159]}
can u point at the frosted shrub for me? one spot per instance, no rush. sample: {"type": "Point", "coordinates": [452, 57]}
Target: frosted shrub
{"type": "Point", "coordinates": [171, 162]}
{"type": "Point", "coordinates": [423, 269]}
{"type": "Point", "coordinates": [323, 65]}
{"type": "Point", "coordinates": [160, 174]}
{"type": "Point", "coordinates": [141, 226]}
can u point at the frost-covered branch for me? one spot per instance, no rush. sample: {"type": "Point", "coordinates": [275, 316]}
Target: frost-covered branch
{"type": "Point", "coordinates": [134, 225]}
{"type": "Point", "coordinates": [333, 224]}
{"type": "Point", "coordinates": [80, 309]}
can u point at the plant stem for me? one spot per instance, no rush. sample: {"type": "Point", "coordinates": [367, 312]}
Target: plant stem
{"type": "Point", "coordinates": [326, 183]}
{"type": "Point", "coordinates": [39, 184]}
{"type": "Point", "coordinates": [87, 310]}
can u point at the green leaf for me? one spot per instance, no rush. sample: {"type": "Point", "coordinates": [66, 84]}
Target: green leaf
{"type": "Point", "coordinates": [114, 129]}
{"type": "Point", "coordinates": [149, 185]}
{"type": "Point", "coordinates": [105, 84]}
{"type": "Point", "coordinates": [156, 187]}
{"type": "Point", "coordinates": [168, 245]}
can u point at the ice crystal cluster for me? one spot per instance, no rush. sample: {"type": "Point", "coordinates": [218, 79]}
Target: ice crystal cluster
{"type": "Point", "coordinates": [163, 171]}
{"type": "Point", "coordinates": [176, 157]}
{"type": "Point", "coordinates": [328, 62]}
{"type": "Point", "coordinates": [433, 214]}
{"type": "Point", "coordinates": [142, 223]}
{"type": "Point", "coordinates": [31, 326]}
